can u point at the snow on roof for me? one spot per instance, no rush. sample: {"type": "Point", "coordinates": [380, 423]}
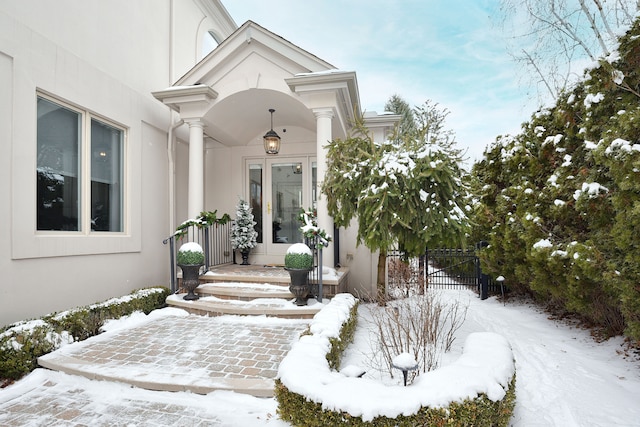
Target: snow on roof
{"type": "Point", "coordinates": [325, 72]}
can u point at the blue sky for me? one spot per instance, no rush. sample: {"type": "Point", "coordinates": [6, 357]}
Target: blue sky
{"type": "Point", "coordinates": [450, 52]}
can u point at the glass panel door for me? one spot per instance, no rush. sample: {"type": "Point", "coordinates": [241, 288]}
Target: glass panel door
{"type": "Point", "coordinates": [286, 199]}
{"type": "Point", "coordinates": [255, 197]}
{"type": "Point", "coordinates": [288, 180]}
{"type": "Point", "coordinates": [278, 189]}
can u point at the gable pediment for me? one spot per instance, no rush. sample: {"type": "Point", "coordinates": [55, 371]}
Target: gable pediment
{"type": "Point", "coordinates": [254, 70]}
{"type": "Point", "coordinates": [252, 57]}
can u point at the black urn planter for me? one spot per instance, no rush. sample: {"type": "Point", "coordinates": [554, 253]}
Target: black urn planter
{"type": "Point", "coordinates": [299, 284]}
{"type": "Point", "coordinates": [245, 257]}
{"type": "Point", "coordinates": [190, 279]}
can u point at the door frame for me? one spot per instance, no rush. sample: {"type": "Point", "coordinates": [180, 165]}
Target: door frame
{"type": "Point", "coordinates": [267, 247]}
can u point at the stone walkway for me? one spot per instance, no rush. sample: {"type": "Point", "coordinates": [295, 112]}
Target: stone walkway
{"type": "Point", "coordinates": [167, 353]}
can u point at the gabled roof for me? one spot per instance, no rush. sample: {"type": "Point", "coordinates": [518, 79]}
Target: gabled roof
{"type": "Point", "coordinates": [254, 70]}
{"type": "Point", "coordinates": [248, 33]}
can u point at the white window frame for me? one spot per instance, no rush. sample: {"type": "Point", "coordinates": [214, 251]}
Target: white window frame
{"type": "Point", "coordinates": [29, 243]}
{"type": "Point", "coordinates": [84, 180]}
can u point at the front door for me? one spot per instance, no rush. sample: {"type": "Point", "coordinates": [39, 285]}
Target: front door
{"type": "Point", "coordinates": [279, 188]}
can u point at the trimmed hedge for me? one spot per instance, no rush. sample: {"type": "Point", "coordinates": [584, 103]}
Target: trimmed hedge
{"type": "Point", "coordinates": [22, 343]}
{"type": "Point", "coordinates": [480, 411]}
{"type": "Point", "coordinates": [339, 345]}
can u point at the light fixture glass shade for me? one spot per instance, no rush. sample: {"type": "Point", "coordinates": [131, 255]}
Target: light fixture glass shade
{"type": "Point", "coordinates": [271, 142]}
{"type": "Point", "coordinates": [271, 138]}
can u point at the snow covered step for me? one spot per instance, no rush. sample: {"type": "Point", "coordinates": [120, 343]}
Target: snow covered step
{"type": "Point", "coordinates": [270, 307]}
{"type": "Point", "coordinates": [334, 281]}
{"type": "Point", "coordinates": [256, 275]}
{"type": "Point", "coordinates": [243, 291]}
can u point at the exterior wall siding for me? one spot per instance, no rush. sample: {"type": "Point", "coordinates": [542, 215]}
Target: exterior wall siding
{"type": "Point", "coordinates": [105, 58]}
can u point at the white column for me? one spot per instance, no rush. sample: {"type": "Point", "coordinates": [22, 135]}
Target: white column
{"type": "Point", "coordinates": [195, 203]}
{"type": "Point", "coordinates": [323, 136]}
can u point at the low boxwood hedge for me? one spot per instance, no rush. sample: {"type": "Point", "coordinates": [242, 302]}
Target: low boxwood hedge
{"type": "Point", "coordinates": [480, 411]}
{"type": "Point", "coordinates": [22, 343]}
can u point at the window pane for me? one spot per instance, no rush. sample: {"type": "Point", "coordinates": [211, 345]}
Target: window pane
{"type": "Point", "coordinates": [58, 198]}
{"type": "Point", "coordinates": [314, 184]}
{"type": "Point", "coordinates": [106, 177]}
{"type": "Point", "coordinates": [286, 193]}
{"type": "Point", "coordinates": [209, 42]}
{"type": "Point", "coordinates": [255, 195]}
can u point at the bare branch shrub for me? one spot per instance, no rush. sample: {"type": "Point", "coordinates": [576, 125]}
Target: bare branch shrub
{"type": "Point", "coordinates": [399, 275]}
{"type": "Point", "coordinates": [422, 325]}
{"type": "Point", "coordinates": [405, 278]}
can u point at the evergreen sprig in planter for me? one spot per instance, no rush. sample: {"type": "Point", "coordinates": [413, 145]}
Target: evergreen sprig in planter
{"type": "Point", "coordinates": [298, 261]}
{"type": "Point", "coordinates": [190, 259]}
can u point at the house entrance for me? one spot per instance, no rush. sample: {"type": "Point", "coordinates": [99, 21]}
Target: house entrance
{"type": "Point", "coordinates": [279, 189]}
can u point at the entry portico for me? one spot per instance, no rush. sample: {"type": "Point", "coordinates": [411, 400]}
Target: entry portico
{"type": "Point", "coordinates": [224, 102]}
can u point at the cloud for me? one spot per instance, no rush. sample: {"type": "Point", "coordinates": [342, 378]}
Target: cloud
{"type": "Point", "coordinates": [448, 52]}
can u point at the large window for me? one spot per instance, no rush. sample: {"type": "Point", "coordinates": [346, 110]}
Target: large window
{"type": "Point", "coordinates": [79, 170]}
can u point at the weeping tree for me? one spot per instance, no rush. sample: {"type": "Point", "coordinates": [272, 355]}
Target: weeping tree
{"type": "Point", "coordinates": [405, 192]}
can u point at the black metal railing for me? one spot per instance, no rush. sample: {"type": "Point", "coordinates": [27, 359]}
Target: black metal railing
{"type": "Point", "coordinates": [315, 275]}
{"type": "Point", "coordinates": [215, 243]}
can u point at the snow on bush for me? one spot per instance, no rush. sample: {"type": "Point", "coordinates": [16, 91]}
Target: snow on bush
{"type": "Point", "coordinates": [299, 256]}
{"type": "Point", "coordinates": [542, 243]}
{"type": "Point", "coordinates": [191, 247]}
{"type": "Point", "coordinates": [299, 248]}
{"type": "Point", "coordinates": [190, 253]}
{"type": "Point", "coordinates": [486, 366]}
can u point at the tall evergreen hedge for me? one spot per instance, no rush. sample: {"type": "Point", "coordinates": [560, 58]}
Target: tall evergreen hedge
{"type": "Point", "coordinates": [559, 203]}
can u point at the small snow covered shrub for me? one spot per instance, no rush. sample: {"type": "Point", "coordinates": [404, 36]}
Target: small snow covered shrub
{"type": "Point", "coordinates": [22, 343]}
{"type": "Point", "coordinates": [299, 257]}
{"type": "Point", "coordinates": [190, 254]}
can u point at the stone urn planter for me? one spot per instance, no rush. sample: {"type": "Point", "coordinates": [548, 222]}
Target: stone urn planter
{"type": "Point", "coordinates": [190, 259]}
{"type": "Point", "coordinates": [245, 257]}
{"type": "Point", "coordinates": [299, 286]}
{"type": "Point", "coordinates": [298, 262]}
{"type": "Point", "coordinates": [190, 280]}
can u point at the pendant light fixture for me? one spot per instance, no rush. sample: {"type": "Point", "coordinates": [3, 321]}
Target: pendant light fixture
{"type": "Point", "coordinates": [271, 138]}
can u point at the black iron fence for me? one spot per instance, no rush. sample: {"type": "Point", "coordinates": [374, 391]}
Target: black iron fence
{"type": "Point", "coordinates": [453, 267]}
{"type": "Point", "coordinates": [442, 268]}
{"type": "Point", "coordinates": [214, 240]}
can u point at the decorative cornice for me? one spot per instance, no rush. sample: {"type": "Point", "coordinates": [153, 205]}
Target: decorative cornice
{"type": "Point", "coordinates": [176, 96]}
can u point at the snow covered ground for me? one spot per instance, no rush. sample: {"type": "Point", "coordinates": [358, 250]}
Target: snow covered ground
{"type": "Point", "coordinates": [564, 378]}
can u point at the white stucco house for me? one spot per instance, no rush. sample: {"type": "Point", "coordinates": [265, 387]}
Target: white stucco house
{"type": "Point", "coordinates": [119, 120]}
